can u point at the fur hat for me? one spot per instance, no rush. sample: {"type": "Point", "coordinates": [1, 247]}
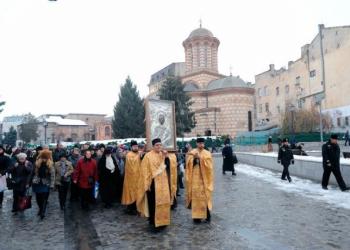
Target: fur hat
{"type": "Point", "coordinates": [45, 154]}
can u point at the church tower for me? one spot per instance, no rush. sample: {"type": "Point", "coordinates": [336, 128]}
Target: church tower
{"type": "Point", "coordinates": [201, 51]}
{"type": "Point", "coordinates": [201, 59]}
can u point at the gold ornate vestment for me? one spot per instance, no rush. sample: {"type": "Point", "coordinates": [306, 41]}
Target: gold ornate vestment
{"type": "Point", "coordinates": [131, 178]}
{"type": "Point", "coordinates": [153, 169]}
{"type": "Point", "coordinates": [199, 183]}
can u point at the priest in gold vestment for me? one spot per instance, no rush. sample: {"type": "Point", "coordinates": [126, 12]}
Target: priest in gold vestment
{"type": "Point", "coordinates": [153, 199]}
{"type": "Point", "coordinates": [199, 175]}
{"type": "Point", "coordinates": [131, 178]}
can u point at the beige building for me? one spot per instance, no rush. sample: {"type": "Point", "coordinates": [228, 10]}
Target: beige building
{"type": "Point", "coordinates": [73, 128]}
{"type": "Point", "coordinates": [100, 126]}
{"type": "Point", "coordinates": [280, 90]}
{"type": "Point", "coordinates": [223, 105]}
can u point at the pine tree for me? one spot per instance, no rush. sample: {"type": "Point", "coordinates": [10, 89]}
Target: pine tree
{"type": "Point", "coordinates": [173, 90]}
{"type": "Point", "coordinates": [10, 137]}
{"type": "Point", "coordinates": [29, 129]}
{"type": "Point", "coordinates": [129, 114]}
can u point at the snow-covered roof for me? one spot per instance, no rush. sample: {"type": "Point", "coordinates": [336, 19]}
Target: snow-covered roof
{"type": "Point", "coordinates": [64, 122]}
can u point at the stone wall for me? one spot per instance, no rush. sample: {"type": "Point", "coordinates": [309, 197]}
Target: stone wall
{"type": "Point", "coordinates": [308, 169]}
{"type": "Point", "coordinates": [224, 112]}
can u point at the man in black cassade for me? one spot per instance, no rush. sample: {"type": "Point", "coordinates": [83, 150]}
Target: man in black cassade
{"type": "Point", "coordinates": [331, 163]}
{"type": "Point", "coordinates": [285, 158]}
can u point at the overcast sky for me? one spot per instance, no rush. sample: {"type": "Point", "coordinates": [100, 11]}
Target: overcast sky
{"type": "Point", "coordinates": [73, 55]}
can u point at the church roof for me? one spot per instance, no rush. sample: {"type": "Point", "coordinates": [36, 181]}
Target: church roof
{"type": "Point", "coordinates": [191, 87]}
{"type": "Point", "coordinates": [227, 82]}
{"type": "Point", "coordinates": [201, 32]}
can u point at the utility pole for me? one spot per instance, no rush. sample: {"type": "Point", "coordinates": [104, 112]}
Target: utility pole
{"type": "Point", "coordinates": [320, 31]}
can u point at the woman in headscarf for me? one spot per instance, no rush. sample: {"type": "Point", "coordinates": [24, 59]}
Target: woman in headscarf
{"type": "Point", "coordinates": [20, 174]}
{"type": "Point", "coordinates": [43, 180]}
{"type": "Point", "coordinates": [109, 176]}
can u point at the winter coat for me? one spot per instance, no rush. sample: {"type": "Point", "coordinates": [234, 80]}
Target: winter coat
{"type": "Point", "coordinates": [58, 172]}
{"type": "Point", "coordinates": [331, 155]}
{"type": "Point", "coordinates": [21, 174]}
{"type": "Point", "coordinates": [285, 155]}
{"type": "Point", "coordinates": [110, 183]}
{"type": "Point", "coordinates": [43, 178]}
{"type": "Point", "coordinates": [227, 154]}
{"type": "Point", "coordinates": [85, 169]}
{"type": "Point", "coordinates": [5, 163]}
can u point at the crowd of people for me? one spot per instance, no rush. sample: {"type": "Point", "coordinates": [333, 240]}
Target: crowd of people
{"type": "Point", "coordinates": [146, 183]}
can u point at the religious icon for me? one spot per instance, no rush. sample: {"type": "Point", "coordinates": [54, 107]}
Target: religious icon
{"type": "Point", "coordinates": [160, 123]}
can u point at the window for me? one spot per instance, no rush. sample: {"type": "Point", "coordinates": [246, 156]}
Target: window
{"type": "Point", "coordinates": [278, 109]}
{"type": "Point", "coordinates": [107, 131]}
{"type": "Point", "coordinates": [265, 91]}
{"type": "Point", "coordinates": [338, 122]}
{"type": "Point", "coordinates": [312, 73]}
{"type": "Point", "coordinates": [198, 56]}
{"type": "Point", "coordinates": [260, 108]}
{"type": "Point", "coordinates": [347, 121]}
{"type": "Point", "coordinates": [277, 91]}
{"type": "Point", "coordinates": [287, 89]}
{"type": "Point", "coordinates": [297, 80]}
{"type": "Point", "coordinates": [259, 92]}
{"type": "Point", "coordinates": [267, 107]}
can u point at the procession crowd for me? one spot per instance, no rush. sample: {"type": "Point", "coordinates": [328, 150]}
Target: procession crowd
{"type": "Point", "coordinates": [146, 183]}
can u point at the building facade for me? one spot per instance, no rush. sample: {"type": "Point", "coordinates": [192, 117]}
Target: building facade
{"type": "Point", "coordinates": [223, 105]}
{"type": "Point", "coordinates": [11, 121]}
{"type": "Point", "coordinates": [100, 126]}
{"type": "Point", "coordinates": [318, 72]}
{"type": "Point", "coordinates": [174, 69]}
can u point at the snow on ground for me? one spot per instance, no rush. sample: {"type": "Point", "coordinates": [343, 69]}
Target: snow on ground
{"type": "Point", "coordinates": [299, 186]}
{"type": "Point", "coordinates": [297, 157]}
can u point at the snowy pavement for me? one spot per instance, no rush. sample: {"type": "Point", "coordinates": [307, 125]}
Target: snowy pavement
{"type": "Point", "coordinates": [299, 186]}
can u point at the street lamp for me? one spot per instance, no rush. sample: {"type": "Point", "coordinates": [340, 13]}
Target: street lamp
{"type": "Point", "coordinates": [45, 124]}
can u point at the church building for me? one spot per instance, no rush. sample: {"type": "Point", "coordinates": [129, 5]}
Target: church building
{"type": "Point", "coordinates": [223, 105]}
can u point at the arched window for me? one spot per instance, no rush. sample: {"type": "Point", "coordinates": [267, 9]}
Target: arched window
{"type": "Point", "coordinates": [107, 131]}
{"type": "Point", "coordinates": [198, 56]}
{"type": "Point", "coordinates": [205, 56]}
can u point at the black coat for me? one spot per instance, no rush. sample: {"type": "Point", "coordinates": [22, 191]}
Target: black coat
{"type": "Point", "coordinates": [5, 163]}
{"type": "Point", "coordinates": [285, 155]}
{"type": "Point", "coordinates": [227, 154]}
{"type": "Point", "coordinates": [331, 154]}
{"type": "Point", "coordinates": [21, 173]}
{"type": "Point", "coordinates": [109, 182]}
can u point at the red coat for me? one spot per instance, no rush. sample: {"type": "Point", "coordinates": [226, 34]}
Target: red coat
{"type": "Point", "coordinates": [83, 171]}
